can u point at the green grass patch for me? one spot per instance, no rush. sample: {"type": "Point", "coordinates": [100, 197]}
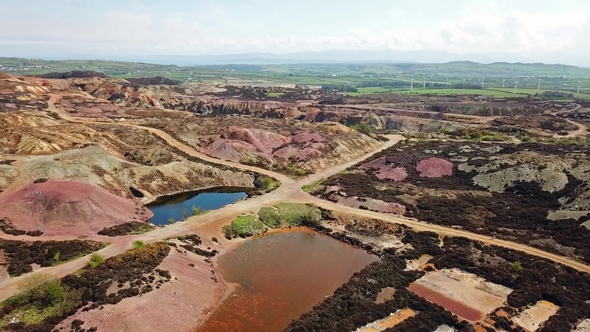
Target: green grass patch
{"type": "Point", "coordinates": [267, 184]}
{"type": "Point", "coordinates": [295, 214]}
{"type": "Point", "coordinates": [313, 187]}
{"type": "Point", "coordinates": [138, 244]}
{"type": "Point", "coordinates": [40, 298]}
{"type": "Point", "coordinates": [95, 260]}
{"type": "Point", "coordinates": [270, 216]}
{"type": "Point", "coordinates": [244, 226]}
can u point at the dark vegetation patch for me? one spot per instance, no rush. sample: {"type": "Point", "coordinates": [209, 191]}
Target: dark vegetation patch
{"type": "Point", "coordinates": [192, 243]}
{"type": "Point", "coordinates": [7, 227]}
{"type": "Point", "coordinates": [135, 272]}
{"type": "Point", "coordinates": [517, 214]}
{"type": "Point", "coordinates": [133, 227]}
{"type": "Point", "coordinates": [353, 305]}
{"type": "Point", "coordinates": [74, 74]}
{"type": "Point", "coordinates": [533, 279]}
{"type": "Point", "coordinates": [20, 255]}
{"type": "Point", "coordinates": [158, 80]}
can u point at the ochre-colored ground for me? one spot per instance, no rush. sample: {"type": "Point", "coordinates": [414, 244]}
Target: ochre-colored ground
{"type": "Point", "coordinates": [533, 317]}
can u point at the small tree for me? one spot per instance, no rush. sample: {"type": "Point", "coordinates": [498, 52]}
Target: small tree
{"type": "Point", "coordinates": [95, 260]}
{"type": "Point", "coordinates": [517, 267]}
{"type": "Point", "coordinates": [197, 211]}
{"type": "Point", "coordinates": [138, 244]}
{"type": "Point", "coordinates": [171, 220]}
{"type": "Point", "coordinates": [184, 214]}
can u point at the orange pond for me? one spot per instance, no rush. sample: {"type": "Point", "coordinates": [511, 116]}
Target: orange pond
{"type": "Point", "coordinates": [282, 276]}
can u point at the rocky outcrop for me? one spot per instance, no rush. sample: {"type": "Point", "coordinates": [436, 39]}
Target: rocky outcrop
{"type": "Point", "coordinates": [267, 109]}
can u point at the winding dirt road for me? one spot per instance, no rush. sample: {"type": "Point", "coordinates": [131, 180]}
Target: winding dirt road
{"type": "Point", "coordinates": [290, 190]}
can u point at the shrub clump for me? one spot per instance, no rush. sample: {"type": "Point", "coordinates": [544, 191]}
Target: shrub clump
{"type": "Point", "coordinates": [270, 217]}
{"type": "Point", "coordinates": [295, 214]}
{"type": "Point", "coordinates": [134, 227]}
{"type": "Point", "coordinates": [244, 226]}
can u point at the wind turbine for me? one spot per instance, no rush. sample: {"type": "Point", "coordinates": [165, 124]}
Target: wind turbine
{"type": "Point", "coordinates": [412, 85]}
{"type": "Point", "coordinates": [463, 82]}
{"type": "Point", "coordinates": [579, 86]}
{"type": "Point", "coordinates": [424, 85]}
{"type": "Point", "coordinates": [483, 82]}
{"type": "Point", "coordinates": [539, 86]}
{"type": "Point", "coordinates": [515, 83]}
{"type": "Point", "coordinates": [503, 82]}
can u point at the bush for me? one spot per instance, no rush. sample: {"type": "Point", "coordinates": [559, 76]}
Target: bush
{"type": "Point", "coordinates": [171, 220]}
{"type": "Point", "coordinates": [138, 244]}
{"type": "Point", "coordinates": [244, 226]}
{"type": "Point", "coordinates": [269, 216]}
{"type": "Point", "coordinates": [295, 214]}
{"type": "Point", "coordinates": [95, 260]}
{"type": "Point", "coordinates": [313, 187]}
{"type": "Point", "coordinates": [197, 211]}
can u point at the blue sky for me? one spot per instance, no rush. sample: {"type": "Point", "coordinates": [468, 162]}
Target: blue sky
{"type": "Point", "coordinates": [62, 28]}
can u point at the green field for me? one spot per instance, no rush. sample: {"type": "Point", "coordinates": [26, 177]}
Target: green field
{"type": "Point", "coordinates": [369, 78]}
{"type": "Point", "coordinates": [438, 92]}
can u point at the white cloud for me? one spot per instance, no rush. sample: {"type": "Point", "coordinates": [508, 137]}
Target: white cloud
{"type": "Point", "coordinates": [471, 27]}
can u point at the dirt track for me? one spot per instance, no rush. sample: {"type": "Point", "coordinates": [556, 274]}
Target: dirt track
{"type": "Point", "coordinates": [290, 190]}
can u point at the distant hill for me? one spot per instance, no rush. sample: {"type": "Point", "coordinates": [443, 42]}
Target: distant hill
{"type": "Point", "coordinates": [311, 73]}
{"type": "Point", "coordinates": [152, 81]}
{"type": "Point", "coordinates": [74, 74]}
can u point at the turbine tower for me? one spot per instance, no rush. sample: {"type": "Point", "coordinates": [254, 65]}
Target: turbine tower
{"type": "Point", "coordinates": [503, 82]}
{"type": "Point", "coordinates": [515, 83]}
{"type": "Point", "coordinates": [539, 86]}
{"type": "Point", "coordinates": [412, 85]}
{"type": "Point", "coordinates": [483, 82]}
{"type": "Point", "coordinates": [424, 85]}
{"type": "Point", "coordinates": [463, 82]}
{"type": "Point", "coordinates": [579, 86]}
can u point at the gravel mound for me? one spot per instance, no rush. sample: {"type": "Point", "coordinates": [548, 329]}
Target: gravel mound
{"type": "Point", "coordinates": [68, 208]}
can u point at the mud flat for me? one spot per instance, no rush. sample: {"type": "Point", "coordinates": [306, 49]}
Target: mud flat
{"type": "Point", "coordinates": [464, 294]}
{"type": "Point", "coordinates": [281, 276]}
{"type": "Point", "coordinates": [533, 317]}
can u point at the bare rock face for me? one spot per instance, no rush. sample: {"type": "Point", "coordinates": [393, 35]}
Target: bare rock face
{"type": "Point", "coordinates": [68, 208]}
{"type": "Point", "coordinates": [267, 109]}
{"type": "Point", "coordinates": [2, 75]}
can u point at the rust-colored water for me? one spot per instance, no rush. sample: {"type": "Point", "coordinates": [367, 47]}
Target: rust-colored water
{"type": "Point", "coordinates": [281, 276]}
{"type": "Point", "coordinates": [456, 307]}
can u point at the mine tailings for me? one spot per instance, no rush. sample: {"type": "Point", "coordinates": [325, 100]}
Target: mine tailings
{"type": "Point", "coordinates": [281, 276]}
{"type": "Point", "coordinates": [176, 206]}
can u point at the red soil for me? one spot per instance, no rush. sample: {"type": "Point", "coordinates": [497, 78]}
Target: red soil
{"type": "Point", "coordinates": [390, 173]}
{"type": "Point", "coordinates": [264, 141]}
{"type": "Point", "coordinates": [308, 137]}
{"type": "Point", "coordinates": [2, 75]}
{"type": "Point", "coordinates": [68, 208]}
{"type": "Point", "coordinates": [451, 305]}
{"type": "Point", "coordinates": [434, 168]}
{"type": "Point", "coordinates": [386, 170]}
{"type": "Point", "coordinates": [229, 149]}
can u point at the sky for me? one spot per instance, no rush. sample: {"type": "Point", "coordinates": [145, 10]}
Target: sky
{"type": "Point", "coordinates": [535, 30]}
